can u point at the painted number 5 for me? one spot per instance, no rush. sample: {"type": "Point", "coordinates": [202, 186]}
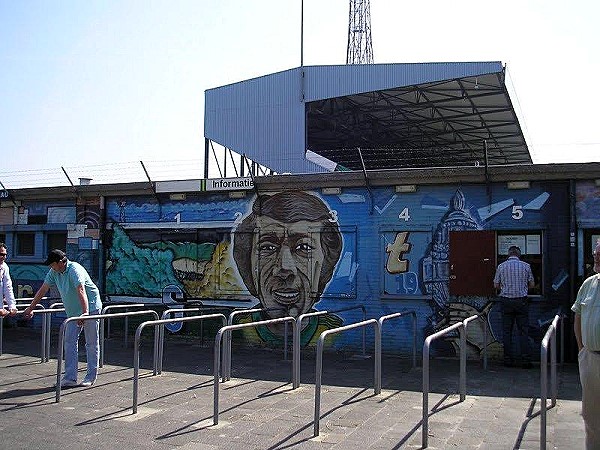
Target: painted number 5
{"type": "Point", "coordinates": [517, 212]}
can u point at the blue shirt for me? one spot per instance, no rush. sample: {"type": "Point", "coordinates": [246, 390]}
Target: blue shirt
{"type": "Point", "coordinates": [67, 283]}
{"type": "Point", "coordinates": [513, 276]}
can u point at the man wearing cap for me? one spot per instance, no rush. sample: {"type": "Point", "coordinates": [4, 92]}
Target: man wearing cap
{"type": "Point", "coordinates": [514, 279]}
{"type": "Point", "coordinates": [80, 297]}
{"type": "Point", "coordinates": [6, 291]}
{"type": "Point", "coordinates": [587, 333]}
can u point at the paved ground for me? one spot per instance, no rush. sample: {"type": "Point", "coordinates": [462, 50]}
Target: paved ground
{"type": "Point", "coordinates": [259, 409]}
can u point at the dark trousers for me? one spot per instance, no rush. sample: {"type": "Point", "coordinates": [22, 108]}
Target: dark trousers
{"type": "Point", "coordinates": [515, 311]}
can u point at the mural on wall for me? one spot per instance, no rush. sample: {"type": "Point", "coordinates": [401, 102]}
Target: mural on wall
{"type": "Point", "coordinates": [286, 250]}
{"type": "Point", "coordinates": [432, 275]}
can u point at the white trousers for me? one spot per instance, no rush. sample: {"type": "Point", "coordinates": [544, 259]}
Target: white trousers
{"type": "Point", "coordinates": [589, 373]}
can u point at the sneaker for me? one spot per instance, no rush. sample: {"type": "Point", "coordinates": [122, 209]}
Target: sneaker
{"type": "Point", "coordinates": [87, 383]}
{"type": "Point", "coordinates": [67, 383]}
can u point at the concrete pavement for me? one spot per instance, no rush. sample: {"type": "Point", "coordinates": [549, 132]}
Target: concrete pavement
{"type": "Point", "coordinates": [258, 409]}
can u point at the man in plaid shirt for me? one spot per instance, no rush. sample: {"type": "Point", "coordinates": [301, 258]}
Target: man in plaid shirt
{"type": "Point", "coordinates": [513, 279]}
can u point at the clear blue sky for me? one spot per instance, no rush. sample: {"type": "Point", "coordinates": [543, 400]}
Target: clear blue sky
{"type": "Point", "coordinates": [96, 82]}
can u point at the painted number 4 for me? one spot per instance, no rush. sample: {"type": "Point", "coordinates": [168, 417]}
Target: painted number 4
{"type": "Point", "coordinates": [404, 215]}
{"type": "Point", "coordinates": [517, 212]}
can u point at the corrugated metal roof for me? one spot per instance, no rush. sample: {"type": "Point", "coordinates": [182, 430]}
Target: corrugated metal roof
{"type": "Point", "coordinates": [399, 115]}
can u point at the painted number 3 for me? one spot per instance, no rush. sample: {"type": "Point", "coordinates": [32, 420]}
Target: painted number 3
{"type": "Point", "coordinates": [517, 212]}
{"type": "Point", "coordinates": [404, 215]}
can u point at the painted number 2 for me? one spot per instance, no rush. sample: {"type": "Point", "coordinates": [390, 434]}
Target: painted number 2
{"type": "Point", "coordinates": [517, 212]}
{"type": "Point", "coordinates": [404, 215]}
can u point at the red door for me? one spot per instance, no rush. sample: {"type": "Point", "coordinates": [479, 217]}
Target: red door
{"type": "Point", "coordinates": [472, 262]}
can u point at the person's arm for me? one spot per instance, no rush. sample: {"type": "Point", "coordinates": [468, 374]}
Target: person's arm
{"type": "Point", "coordinates": [36, 299]}
{"type": "Point", "coordinates": [577, 330]}
{"type": "Point", "coordinates": [83, 300]}
{"type": "Point", "coordinates": [8, 291]}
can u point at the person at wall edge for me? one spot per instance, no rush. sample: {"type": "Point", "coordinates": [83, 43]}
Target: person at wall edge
{"type": "Point", "coordinates": [587, 332]}
{"type": "Point", "coordinates": [80, 297]}
{"type": "Point", "coordinates": [6, 290]}
{"type": "Point", "coordinates": [514, 279]}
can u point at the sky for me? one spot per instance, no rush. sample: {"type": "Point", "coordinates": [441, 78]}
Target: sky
{"type": "Point", "coordinates": [109, 83]}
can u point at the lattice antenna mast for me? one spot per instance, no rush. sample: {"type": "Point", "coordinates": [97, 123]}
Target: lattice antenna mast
{"type": "Point", "coordinates": [360, 46]}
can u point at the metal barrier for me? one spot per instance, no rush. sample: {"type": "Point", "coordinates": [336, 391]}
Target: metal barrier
{"type": "Point", "coordinates": [217, 354]}
{"type": "Point", "coordinates": [549, 337]}
{"type": "Point", "coordinates": [158, 337]}
{"type": "Point", "coordinates": [319, 365]}
{"type": "Point", "coordinates": [61, 338]}
{"type": "Point", "coordinates": [46, 325]}
{"type": "Point", "coordinates": [485, 334]}
{"type": "Point", "coordinates": [413, 314]}
{"type": "Point", "coordinates": [43, 345]}
{"type": "Point", "coordinates": [103, 337]}
{"type": "Point", "coordinates": [461, 326]}
{"type": "Point", "coordinates": [226, 376]}
{"type": "Point", "coordinates": [301, 317]}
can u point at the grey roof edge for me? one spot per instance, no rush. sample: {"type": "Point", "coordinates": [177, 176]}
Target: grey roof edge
{"type": "Point", "coordinates": [427, 176]}
{"type": "Point", "coordinates": [351, 67]}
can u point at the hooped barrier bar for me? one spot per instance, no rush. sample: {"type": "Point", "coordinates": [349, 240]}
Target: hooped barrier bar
{"type": "Point", "coordinates": [217, 352]}
{"type": "Point", "coordinates": [301, 317]}
{"type": "Point", "coordinates": [46, 325]}
{"type": "Point", "coordinates": [105, 312]}
{"type": "Point", "coordinates": [549, 338]}
{"type": "Point", "coordinates": [461, 326]}
{"type": "Point", "coordinates": [55, 305]}
{"type": "Point", "coordinates": [398, 315]}
{"type": "Point", "coordinates": [61, 338]}
{"type": "Point", "coordinates": [485, 334]}
{"type": "Point", "coordinates": [226, 376]}
{"type": "Point", "coordinates": [43, 344]}
{"type": "Point", "coordinates": [319, 364]}
{"type": "Point", "coordinates": [136, 345]}
{"type": "Point", "coordinates": [161, 330]}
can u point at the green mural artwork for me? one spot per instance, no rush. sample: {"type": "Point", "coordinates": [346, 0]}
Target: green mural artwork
{"type": "Point", "coordinates": [143, 269]}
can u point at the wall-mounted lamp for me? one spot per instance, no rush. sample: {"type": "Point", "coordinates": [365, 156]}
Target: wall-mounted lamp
{"type": "Point", "coordinates": [405, 188]}
{"type": "Point", "coordinates": [177, 197]}
{"type": "Point", "coordinates": [598, 182]}
{"type": "Point", "coordinates": [331, 190]}
{"type": "Point", "coordinates": [237, 194]}
{"type": "Point", "coordinates": [518, 185]}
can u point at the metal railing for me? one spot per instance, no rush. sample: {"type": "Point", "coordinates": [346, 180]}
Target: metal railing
{"type": "Point", "coordinates": [61, 337]}
{"type": "Point", "coordinates": [217, 354]}
{"type": "Point", "coordinates": [301, 317]}
{"type": "Point", "coordinates": [461, 327]}
{"type": "Point", "coordinates": [46, 326]}
{"type": "Point", "coordinates": [158, 338]}
{"type": "Point", "coordinates": [398, 315]}
{"type": "Point", "coordinates": [549, 338]}
{"type": "Point", "coordinates": [161, 329]}
{"type": "Point", "coordinates": [319, 363]}
{"type": "Point", "coordinates": [103, 337]}
{"type": "Point", "coordinates": [226, 376]}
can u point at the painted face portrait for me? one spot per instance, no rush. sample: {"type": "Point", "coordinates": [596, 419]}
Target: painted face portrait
{"type": "Point", "coordinates": [287, 259]}
{"type": "Point", "coordinates": [286, 250]}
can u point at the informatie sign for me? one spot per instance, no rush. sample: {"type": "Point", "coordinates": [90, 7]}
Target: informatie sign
{"type": "Point", "coordinates": [228, 184]}
{"type": "Point", "coordinates": [211, 184]}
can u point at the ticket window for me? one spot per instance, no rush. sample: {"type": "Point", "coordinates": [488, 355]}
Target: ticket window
{"type": "Point", "coordinates": [530, 243]}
